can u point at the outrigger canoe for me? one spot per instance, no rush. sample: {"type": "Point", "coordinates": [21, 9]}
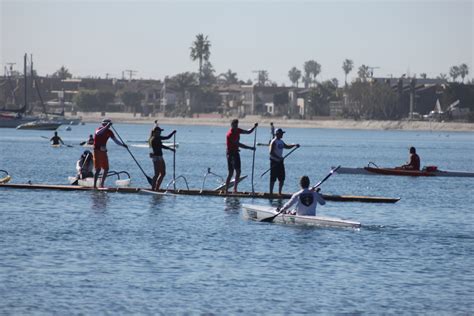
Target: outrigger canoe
{"type": "Point", "coordinates": [425, 172]}
{"type": "Point", "coordinates": [258, 213]}
{"type": "Point", "coordinates": [255, 195]}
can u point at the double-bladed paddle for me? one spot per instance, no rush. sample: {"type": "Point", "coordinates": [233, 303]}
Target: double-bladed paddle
{"type": "Point", "coordinates": [83, 163]}
{"type": "Point", "coordinates": [271, 218]}
{"type": "Point", "coordinates": [150, 180]}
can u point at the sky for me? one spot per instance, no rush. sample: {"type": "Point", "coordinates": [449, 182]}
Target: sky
{"type": "Point", "coordinates": [99, 37]}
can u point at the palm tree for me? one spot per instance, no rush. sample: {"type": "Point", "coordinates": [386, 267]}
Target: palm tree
{"type": "Point", "coordinates": [347, 66]}
{"type": "Point", "coordinates": [200, 51]}
{"type": "Point", "coordinates": [262, 77]}
{"type": "Point", "coordinates": [294, 74]}
{"type": "Point", "coordinates": [62, 73]}
{"type": "Point", "coordinates": [230, 77]}
{"type": "Point", "coordinates": [312, 69]}
{"type": "Point", "coordinates": [442, 76]}
{"type": "Point", "coordinates": [454, 72]}
{"type": "Point", "coordinates": [463, 71]}
{"type": "Point", "coordinates": [363, 72]}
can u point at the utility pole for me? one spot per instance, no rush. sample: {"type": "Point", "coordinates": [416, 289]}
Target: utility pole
{"type": "Point", "coordinates": [371, 71]}
{"type": "Point", "coordinates": [130, 73]}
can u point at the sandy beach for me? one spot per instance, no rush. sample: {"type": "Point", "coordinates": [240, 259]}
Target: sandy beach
{"type": "Point", "coordinates": [217, 120]}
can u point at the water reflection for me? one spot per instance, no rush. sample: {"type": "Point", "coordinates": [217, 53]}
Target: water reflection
{"type": "Point", "coordinates": [232, 205]}
{"type": "Point", "coordinates": [99, 200]}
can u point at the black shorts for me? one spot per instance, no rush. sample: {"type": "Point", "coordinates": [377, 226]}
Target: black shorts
{"type": "Point", "coordinates": [233, 161]}
{"type": "Point", "coordinates": [277, 171]}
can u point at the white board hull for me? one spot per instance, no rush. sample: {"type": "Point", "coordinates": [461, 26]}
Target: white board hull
{"type": "Point", "coordinates": [259, 212]}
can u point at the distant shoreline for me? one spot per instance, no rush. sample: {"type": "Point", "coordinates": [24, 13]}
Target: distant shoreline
{"type": "Point", "coordinates": [215, 120]}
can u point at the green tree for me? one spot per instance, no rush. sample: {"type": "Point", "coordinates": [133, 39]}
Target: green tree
{"type": "Point", "coordinates": [104, 98]}
{"type": "Point", "coordinates": [87, 100]}
{"type": "Point", "coordinates": [463, 71]}
{"type": "Point", "coordinates": [208, 76]}
{"type": "Point", "coordinates": [230, 77]}
{"type": "Point", "coordinates": [62, 73]}
{"type": "Point", "coordinates": [132, 99]}
{"type": "Point", "coordinates": [262, 79]}
{"type": "Point", "coordinates": [294, 74]}
{"type": "Point", "coordinates": [347, 66]}
{"type": "Point", "coordinates": [363, 72]}
{"type": "Point", "coordinates": [200, 51]}
{"type": "Point", "coordinates": [454, 72]}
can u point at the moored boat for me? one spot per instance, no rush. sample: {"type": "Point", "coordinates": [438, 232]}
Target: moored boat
{"type": "Point", "coordinates": [425, 172]}
{"type": "Point", "coordinates": [45, 125]}
{"type": "Point", "coordinates": [259, 212]}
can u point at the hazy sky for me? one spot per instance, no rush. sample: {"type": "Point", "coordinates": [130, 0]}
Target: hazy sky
{"type": "Point", "coordinates": [154, 37]}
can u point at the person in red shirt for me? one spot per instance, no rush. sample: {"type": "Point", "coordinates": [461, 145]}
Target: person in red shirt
{"type": "Point", "coordinates": [233, 155]}
{"type": "Point", "coordinates": [101, 160]}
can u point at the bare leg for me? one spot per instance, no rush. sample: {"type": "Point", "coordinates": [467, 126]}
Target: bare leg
{"type": "Point", "coordinates": [237, 176]}
{"type": "Point", "coordinates": [280, 186]}
{"type": "Point", "coordinates": [161, 174]}
{"type": "Point", "coordinates": [96, 176]}
{"type": "Point", "coordinates": [104, 176]}
{"type": "Point", "coordinates": [155, 177]}
{"type": "Point", "coordinates": [227, 181]}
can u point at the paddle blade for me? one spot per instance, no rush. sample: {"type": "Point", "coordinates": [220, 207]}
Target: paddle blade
{"type": "Point", "coordinates": [150, 180]}
{"type": "Point", "coordinates": [271, 218]}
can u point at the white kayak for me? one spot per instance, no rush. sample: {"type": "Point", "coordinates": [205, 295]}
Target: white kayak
{"type": "Point", "coordinates": [425, 172]}
{"type": "Point", "coordinates": [259, 212]}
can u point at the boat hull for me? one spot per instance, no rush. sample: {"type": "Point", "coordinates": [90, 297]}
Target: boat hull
{"type": "Point", "coordinates": [258, 213]}
{"type": "Point", "coordinates": [40, 125]}
{"type": "Point", "coordinates": [402, 172]}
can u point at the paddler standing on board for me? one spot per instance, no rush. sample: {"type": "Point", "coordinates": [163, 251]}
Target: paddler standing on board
{"type": "Point", "coordinates": [233, 152]}
{"type": "Point", "coordinates": [277, 167]}
{"type": "Point", "coordinates": [156, 154]}
{"type": "Point", "coordinates": [101, 160]}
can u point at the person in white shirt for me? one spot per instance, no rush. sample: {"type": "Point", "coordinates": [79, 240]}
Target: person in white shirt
{"type": "Point", "coordinates": [306, 200]}
{"type": "Point", "coordinates": [277, 168]}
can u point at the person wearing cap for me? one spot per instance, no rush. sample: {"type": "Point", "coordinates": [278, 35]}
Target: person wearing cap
{"type": "Point", "coordinates": [233, 152]}
{"type": "Point", "coordinates": [156, 154]}
{"type": "Point", "coordinates": [101, 160]}
{"type": "Point", "coordinates": [277, 167]}
{"type": "Point", "coordinates": [85, 166]}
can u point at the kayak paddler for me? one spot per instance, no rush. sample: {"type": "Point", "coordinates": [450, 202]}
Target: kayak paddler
{"type": "Point", "coordinates": [305, 199]}
{"type": "Point", "coordinates": [85, 166]}
{"type": "Point", "coordinates": [56, 140]}
{"type": "Point", "coordinates": [414, 161]}
{"type": "Point", "coordinates": [101, 160]}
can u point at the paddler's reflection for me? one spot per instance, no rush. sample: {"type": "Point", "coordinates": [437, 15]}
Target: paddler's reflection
{"type": "Point", "coordinates": [232, 205]}
{"type": "Point", "coordinates": [99, 200]}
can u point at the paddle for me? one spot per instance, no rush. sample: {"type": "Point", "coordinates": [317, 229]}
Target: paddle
{"type": "Point", "coordinates": [150, 180]}
{"type": "Point", "coordinates": [253, 157]}
{"type": "Point", "coordinates": [282, 159]}
{"type": "Point", "coordinates": [82, 143]}
{"type": "Point", "coordinates": [174, 161]}
{"type": "Point", "coordinates": [83, 163]}
{"type": "Point", "coordinates": [271, 218]}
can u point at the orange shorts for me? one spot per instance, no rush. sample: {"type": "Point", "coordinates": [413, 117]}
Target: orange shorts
{"type": "Point", "coordinates": [101, 160]}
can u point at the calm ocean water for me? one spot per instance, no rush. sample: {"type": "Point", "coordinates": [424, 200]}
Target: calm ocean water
{"type": "Point", "coordinates": [95, 252]}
